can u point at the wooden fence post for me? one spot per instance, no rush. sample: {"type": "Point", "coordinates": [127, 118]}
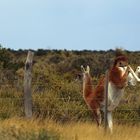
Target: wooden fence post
{"type": "Point", "coordinates": [106, 100]}
{"type": "Point", "coordinates": [27, 85]}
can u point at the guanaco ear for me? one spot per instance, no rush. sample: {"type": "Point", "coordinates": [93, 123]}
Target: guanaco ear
{"type": "Point", "coordinates": [83, 69]}
{"type": "Point", "coordinates": [88, 69]}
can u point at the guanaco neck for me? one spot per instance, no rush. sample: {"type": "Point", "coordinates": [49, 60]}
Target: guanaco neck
{"type": "Point", "coordinates": [87, 86]}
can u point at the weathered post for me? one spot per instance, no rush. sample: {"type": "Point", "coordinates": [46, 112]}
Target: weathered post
{"type": "Point", "coordinates": [106, 100]}
{"type": "Point", "coordinates": [27, 85]}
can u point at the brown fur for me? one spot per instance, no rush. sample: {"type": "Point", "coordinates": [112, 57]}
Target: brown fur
{"type": "Point", "coordinates": [120, 58]}
{"type": "Point", "coordinates": [94, 97]}
{"type": "Point", "coordinates": [115, 76]}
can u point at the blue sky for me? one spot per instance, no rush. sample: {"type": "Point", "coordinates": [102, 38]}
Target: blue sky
{"type": "Point", "coordinates": [70, 24]}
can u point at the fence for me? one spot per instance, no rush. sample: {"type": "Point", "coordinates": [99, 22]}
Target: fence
{"type": "Point", "coordinates": [28, 108]}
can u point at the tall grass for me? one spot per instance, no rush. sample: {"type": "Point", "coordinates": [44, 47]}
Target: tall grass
{"type": "Point", "coordinates": [22, 129]}
{"type": "Point", "coordinates": [36, 129]}
{"type": "Point", "coordinates": [88, 131]}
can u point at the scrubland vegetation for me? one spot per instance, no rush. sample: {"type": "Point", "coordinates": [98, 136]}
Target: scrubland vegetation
{"type": "Point", "coordinates": [57, 96]}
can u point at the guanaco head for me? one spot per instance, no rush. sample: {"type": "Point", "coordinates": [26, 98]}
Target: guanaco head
{"type": "Point", "coordinates": [138, 70]}
{"type": "Point", "coordinates": [87, 70]}
{"type": "Point", "coordinates": [121, 62]}
{"type": "Point", "coordinates": [132, 80]}
{"type": "Point", "coordinates": [86, 73]}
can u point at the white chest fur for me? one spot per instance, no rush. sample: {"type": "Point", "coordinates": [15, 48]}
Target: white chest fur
{"type": "Point", "coordinates": [114, 96]}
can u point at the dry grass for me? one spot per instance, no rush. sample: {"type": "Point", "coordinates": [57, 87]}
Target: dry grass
{"type": "Point", "coordinates": [87, 131]}
{"type": "Point", "coordinates": [21, 129]}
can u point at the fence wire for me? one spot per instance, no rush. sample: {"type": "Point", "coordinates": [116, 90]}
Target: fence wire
{"type": "Point", "coordinates": [70, 99]}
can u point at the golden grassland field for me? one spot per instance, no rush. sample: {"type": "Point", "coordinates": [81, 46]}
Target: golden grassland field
{"type": "Point", "coordinates": [57, 94]}
{"type": "Point", "coordinates": [37, 129]}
